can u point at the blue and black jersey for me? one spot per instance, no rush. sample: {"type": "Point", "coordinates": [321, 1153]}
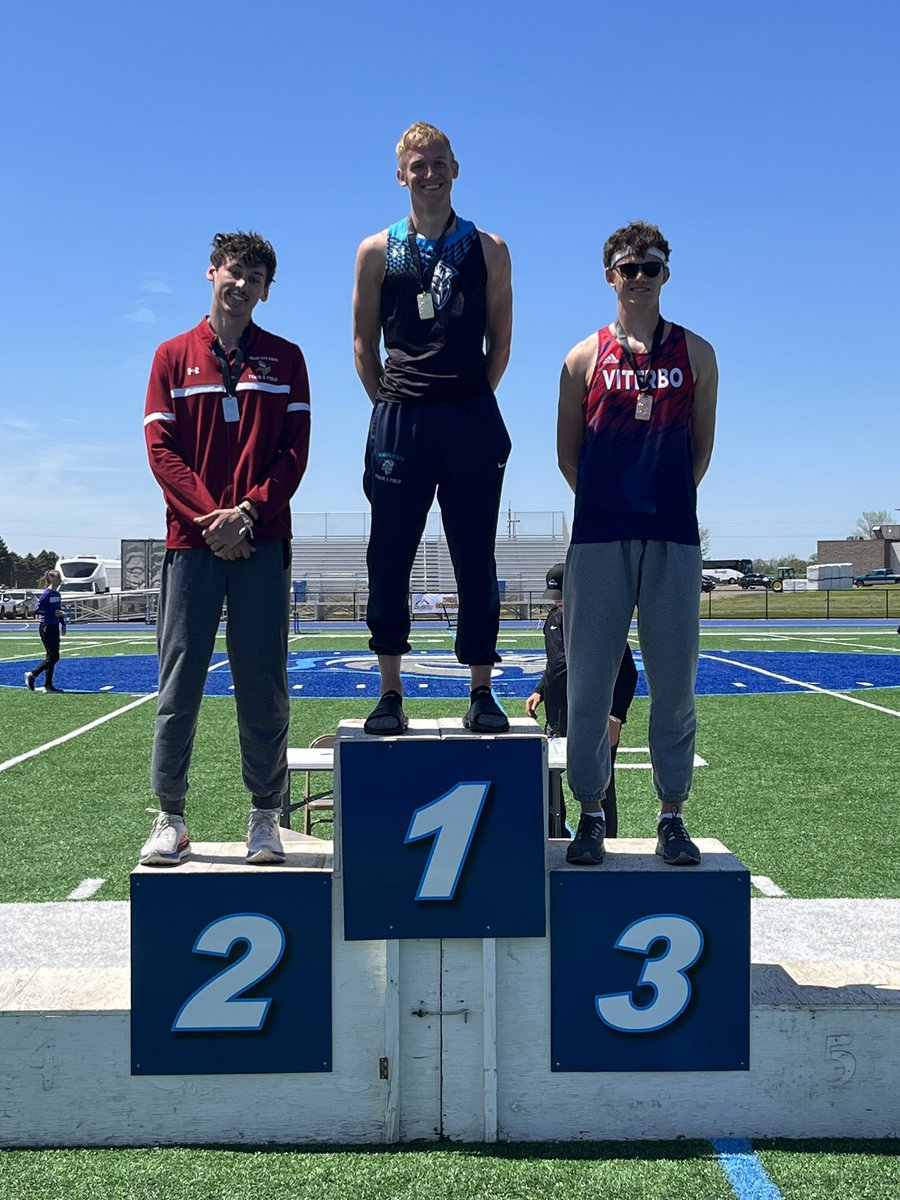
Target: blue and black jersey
{"type": "Point", "coordinates": [441, 357]}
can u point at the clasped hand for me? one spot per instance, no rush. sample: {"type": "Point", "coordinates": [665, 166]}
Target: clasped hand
{"type": "Point", "coordinates": [227, 533]}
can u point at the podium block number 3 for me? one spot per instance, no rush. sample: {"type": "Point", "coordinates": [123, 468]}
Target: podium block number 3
{"type": "Point", "coordinates": [216, 1005]}
{"type": "Point", "coordinates": [665, 974]}
{"type": "Point", "coordinates": [452, 818]}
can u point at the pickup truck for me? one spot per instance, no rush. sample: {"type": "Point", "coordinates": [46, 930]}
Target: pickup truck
{"type": "Point", "coordinates": [879, 575]}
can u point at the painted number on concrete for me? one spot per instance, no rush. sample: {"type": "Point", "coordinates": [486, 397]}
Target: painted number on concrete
{"type": "Point", "coordinates": [452, 818]}
{"type": "Point", "coordinates": [666, 974]}
{"type": "Point", "coordinates": [217, 1004]}
{"type": "Point", "coordinates": [837, 1052]}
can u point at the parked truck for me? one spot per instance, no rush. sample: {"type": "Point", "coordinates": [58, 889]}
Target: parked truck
{"type": "Point", "coordinates": [879, 575]}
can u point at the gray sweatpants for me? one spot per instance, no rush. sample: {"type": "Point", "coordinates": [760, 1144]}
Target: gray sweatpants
{"type": "Point", "coordinates": [194, 585]}
{"type": "Point", "coordinates": [603, 583]}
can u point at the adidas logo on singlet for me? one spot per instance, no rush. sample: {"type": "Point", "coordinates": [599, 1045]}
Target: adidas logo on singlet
{"type": "Point", "coordinates": [610, 358]}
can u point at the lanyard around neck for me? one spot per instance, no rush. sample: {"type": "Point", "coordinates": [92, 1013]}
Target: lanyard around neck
{"type": "Point", "coordinates": [639, 375]}
{"type": "Point", "coordinates": [426, 274]}
{"type": "Point", "coordinates": [231, 370]}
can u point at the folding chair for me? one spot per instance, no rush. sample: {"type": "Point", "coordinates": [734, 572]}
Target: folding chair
{"type": "Point", "coordinates": [316, 801]}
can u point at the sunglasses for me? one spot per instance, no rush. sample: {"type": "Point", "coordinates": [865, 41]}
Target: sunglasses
{"type": "Point", "coordinates": [631, 270]}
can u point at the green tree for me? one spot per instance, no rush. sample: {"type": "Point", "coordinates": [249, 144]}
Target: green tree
{"type": "Point", "coordinates": [47, 560]}
{"type": "Point", "coordinates": [6, 565]}
{"type": "Point", "coordinates": [705, 539]}
{"type": "Point", "coordinates": [769, 566]}
{"type": "Point", "coordinates": [864, 523]}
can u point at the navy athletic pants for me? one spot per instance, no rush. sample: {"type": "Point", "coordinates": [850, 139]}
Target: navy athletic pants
{"type": "Point", "coordinates": [457, 449]}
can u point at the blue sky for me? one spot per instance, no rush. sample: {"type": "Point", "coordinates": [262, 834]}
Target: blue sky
{"type": "Point", "coordinates": [761, 138]}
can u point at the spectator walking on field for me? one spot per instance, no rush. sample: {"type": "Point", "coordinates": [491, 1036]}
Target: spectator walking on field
{"type": "Point", "coordinates": [227, 429]}
{"type": "Point", "coordinates": [52, 625]}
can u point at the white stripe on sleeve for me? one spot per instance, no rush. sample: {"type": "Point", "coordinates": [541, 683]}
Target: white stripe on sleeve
{"type": "Point", "coordinates": [298, 408]}
{"type": "Point", "coordinates": [196, 390]}
{"type": "Point", "coordinates": [159, 416]}
{"type": "Point", "coordinates": [280, 388]}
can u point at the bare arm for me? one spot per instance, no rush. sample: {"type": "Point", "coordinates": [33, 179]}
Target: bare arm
{"type": "Point", "coordinates": [367, 312]}
{"type": "Point", "coordinates": [706, 386]}
{"type": "Point", "coordinates": [573, 384]}
{"type": "Point", "coordinates": [498, 296]}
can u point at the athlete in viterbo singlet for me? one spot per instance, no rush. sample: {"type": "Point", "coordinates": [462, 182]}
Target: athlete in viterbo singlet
{"type": "Point", "coordinates": [437, 290]}
{"type": "Point", "coordinates": [636, 478]}
{"type": "Point", "coordinates": [637, 406]}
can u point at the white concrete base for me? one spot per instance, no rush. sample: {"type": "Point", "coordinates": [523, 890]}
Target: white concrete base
{"type": "Point", "coordinates": [450, 1039]}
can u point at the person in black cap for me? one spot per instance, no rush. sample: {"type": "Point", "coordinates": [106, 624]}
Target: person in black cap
{"type": "Point", "coordinates": [551, 690]}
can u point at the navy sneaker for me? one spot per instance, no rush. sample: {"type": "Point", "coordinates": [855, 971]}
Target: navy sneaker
{"type": "Point", "coordinates": [586, 847]}
{"type": "Point", "coordinates": [674, 844]}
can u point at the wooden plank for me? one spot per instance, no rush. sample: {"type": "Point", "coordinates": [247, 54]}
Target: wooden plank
{"type": "Point", "coordinates": [462, 1040]}
{"type": "Point", "coordinates": [392, 1041]}
{"type": "Point", "coordinates": [420, 1040]}
{"type": "Point", "coordinates": [489, 1036]}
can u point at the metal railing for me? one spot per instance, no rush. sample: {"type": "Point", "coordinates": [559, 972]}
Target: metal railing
{"type": "Point", "coordinates": [525, 604]}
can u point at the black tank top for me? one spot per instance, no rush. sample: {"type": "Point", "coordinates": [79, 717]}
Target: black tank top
{"type": "Point", "coordinates": [442, 357]}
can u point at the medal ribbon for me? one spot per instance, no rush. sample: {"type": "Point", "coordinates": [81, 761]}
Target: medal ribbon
{"type": "Point", "coordinates": [231, 371]}
{"type": "Point", "coordinates": [639, 375]}
{"type": "Point", "coordinates": [426, 275]}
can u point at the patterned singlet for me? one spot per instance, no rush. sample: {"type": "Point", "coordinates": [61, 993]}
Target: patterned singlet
{"type": "Point", "coordinates": [636, 478]}
{"type": "Point", "coordinates": [441, 358]}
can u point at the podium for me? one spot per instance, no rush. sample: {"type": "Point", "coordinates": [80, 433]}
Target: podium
{"type": "Point", "coordinates": [442, 870]}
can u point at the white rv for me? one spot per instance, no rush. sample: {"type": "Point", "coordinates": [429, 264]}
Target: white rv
{"type": "Point", "coordinates": [88, 574]}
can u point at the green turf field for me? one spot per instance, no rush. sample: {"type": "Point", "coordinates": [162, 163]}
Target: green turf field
{"type": "Point", "coordinates": [688, 1170]}
{"type": "Point", "coordinates": [802, 786]}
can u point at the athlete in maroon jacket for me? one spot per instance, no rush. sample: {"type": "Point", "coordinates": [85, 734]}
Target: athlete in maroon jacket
{"type": "Point", "coordinates": [227, 430]}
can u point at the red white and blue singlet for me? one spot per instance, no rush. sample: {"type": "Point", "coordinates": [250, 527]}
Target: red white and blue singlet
{"type": "Point", "coordinates": [636, 478]}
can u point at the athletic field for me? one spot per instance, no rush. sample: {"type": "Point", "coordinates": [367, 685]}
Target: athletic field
{"type": "Point", "coordinates": [798, 739]}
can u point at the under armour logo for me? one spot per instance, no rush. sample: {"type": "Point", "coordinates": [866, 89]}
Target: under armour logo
{"type": "Point", "coordinates": [193, 370]}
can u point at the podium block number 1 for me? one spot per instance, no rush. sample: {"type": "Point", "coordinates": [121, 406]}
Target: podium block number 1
{"type": "Point", "coordinates": [452, 818]}
{"type": "Point", "coordinates": [442, 838]}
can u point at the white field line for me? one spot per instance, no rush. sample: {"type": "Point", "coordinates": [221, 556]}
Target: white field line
{"type": "Point", "coordinates": [855, 645]}
{"type": "Point", "coordinates": [67, 649]}
{"type": "Point", "coordinates": [811, 687]}
{"type": "Point", "coordinates": [764, 884]}
{"type": "Point", "coordinates": [646, 766]}
{"type": "Point", "coordinates": [20, 758]}
{"type": "Point", "coordinates": [788, 631]}
{"type": "Point", "coordinates": [86, 889]}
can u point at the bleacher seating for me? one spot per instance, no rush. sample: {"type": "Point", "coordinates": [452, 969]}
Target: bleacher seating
{"type": "Point", "coordinates": [330, 555]}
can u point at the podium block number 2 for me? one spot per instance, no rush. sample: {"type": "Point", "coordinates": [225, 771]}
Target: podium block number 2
{"type": "Point", "coordinates": [665, 974]}
{"type": "Point", "coordinates": [216, 1005]}
{"type": "Point", "coordinates": [452, 818]}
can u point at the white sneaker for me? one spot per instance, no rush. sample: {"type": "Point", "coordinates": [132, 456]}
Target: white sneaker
{"type": "Point", "coordinates": [263, 838]}
{"type": "Point", "coordinates": [168, 844]}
